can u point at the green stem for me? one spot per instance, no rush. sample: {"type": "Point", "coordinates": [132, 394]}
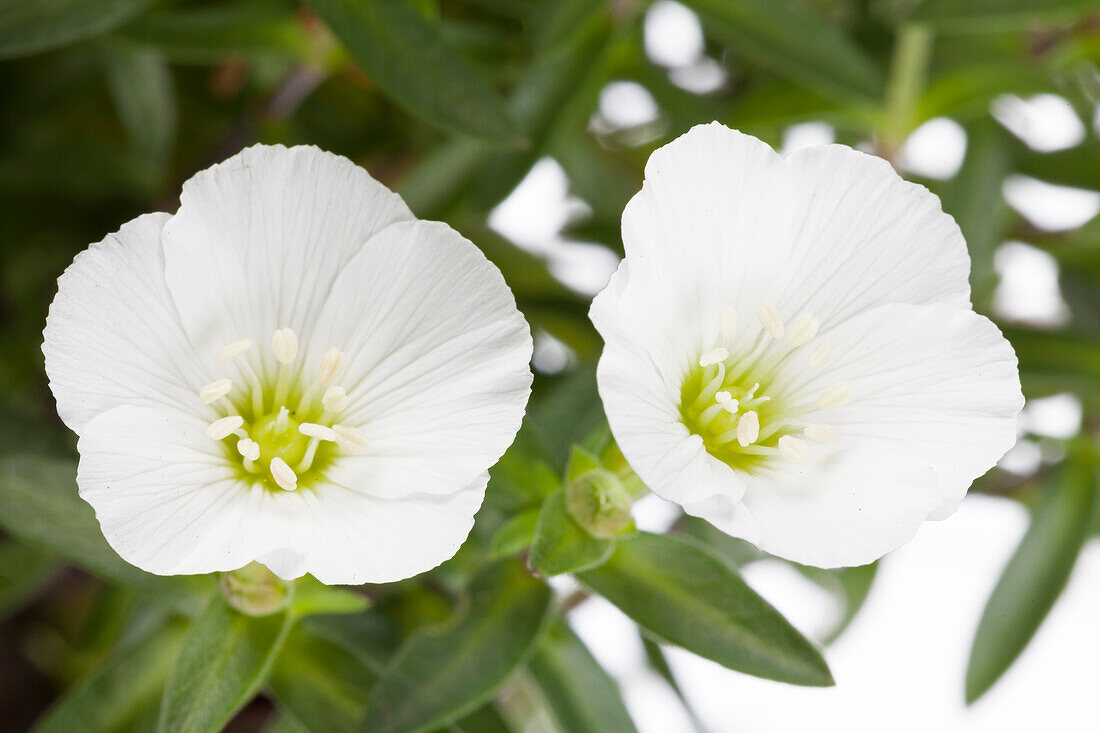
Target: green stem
{"type": "Point", "coordinates": [908, 70]}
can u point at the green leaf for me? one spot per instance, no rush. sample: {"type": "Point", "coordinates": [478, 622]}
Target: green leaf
{"type": "Point", "coordinates": [851, 587]}
{"type": "Point", "coordinates": [225, 660]}
{"type": "Point", "coordinates": [407, 57]}
{"type": "Point", "coordinates": [23, 572]}
{"type": "Point", "coordinates": [561, 545]}
{"type": "Point", "coordinates": [515, 535]}
{"type": "Point", "coordinates": [441, 674]}
{"type": "Point", "coordinates": [39, 505]}
{"type": "Point", "coordinates": [580, 695]}
{"type": "Point", "coordinates": [1052, 361]}
{"type": "Point", "coordinates": [795, 44]}
{"type": "Point", "coordinates": [684, 595]}
{"type": "Point", "coordinates": [970, 16]}
{"type": "Point", "coordinates": [1033, 578]}
{"type": "Point", "coordinates": [1077, 166]}
{"type": "Point", "coordinates": [110, 697]}
{"type": "Point", "coordinates": [30, 26]}
{"type": "Point", "coordinates": [141, 86]}
{"type": "Point", "coordinates": [311, 596]}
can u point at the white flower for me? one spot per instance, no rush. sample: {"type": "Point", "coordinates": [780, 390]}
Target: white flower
{"type": "Point", "coordinates": [292, 369]}
{"type": "Point", "coordinates": [791, 352]}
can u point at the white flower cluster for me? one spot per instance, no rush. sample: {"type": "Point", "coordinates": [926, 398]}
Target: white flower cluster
{"type": "Point", "coordinates": [294, 370]}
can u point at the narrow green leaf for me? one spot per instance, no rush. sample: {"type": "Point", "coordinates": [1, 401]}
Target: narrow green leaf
{"type": "Point", "coordinates": [225, 660]}
{"type": "Point", "coordinates": [684, 595]}
{"type": "Point", "coordinates": [142, 89]}
{"type": "Point", "coordinates": [993, 16]}
{"type": "Point", "coordinates": [515, 535]}
{"type": "Point", "coordinates": [795, 44]}
{"type": "Point", "coordinates": [30, 26]}
{"type": "Point", "coordinates": [1033, 578]}
{"type": "Point", "coordinates": [579, 694]}
{"type": "Point", "coordinates": [23, 572]}
{"type": "Point", "coordinates": [851, 587]}
{"type": "Point", "coordinates": [39, 505]}
{"type": "Point", "coordinates": [1052, 360]}
{"type": "Point", "coordinates": [658, 662]}
{"type": "Point", "coordinates": [443, 673]}
{"type": "Point", "coordinates": [311, 596]}
{"type": "Point", "coordinates": [111, 697]}
{"type": "Point", "coordinates": [407, 57]}
{"type": "Point", "coordinates": [561, 545]}
{"type": "Point", "coordinates": [1078, 166]}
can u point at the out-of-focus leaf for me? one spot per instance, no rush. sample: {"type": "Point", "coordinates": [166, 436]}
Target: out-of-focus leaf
{"type": "Point", "coordinates": [1033, 578]}
{"type": "Point", "coordinates": [580, 695]}
{"type": "Point", "coordinates": [684, 595]}
{"type": "Point", "coordinates": [561, 545]}
{"type": "Point", "coordinates": [1078, 166]}
{"type": "Point", "coordinates": [311, 596]}
{"type": "Point", "coordinates": [225, 659]}
{"type": "Point", "coordinates": [977, 16]}
{"type": "Point", "coordinates": [966, 93]}
{"type": "Point", "coordinates": [23, 571]}
{"type": "Point", "coordinates": [515, 535]}
{"type": "Point", "coordinates": [1052, 361]}
{"type": "Point", "coordinates": [794, 44]}
{"type": "Point", "coordinates": [29, 26]}
{"type": "Point", "coordinates": [407, 57]}
{"type": "Point", "coordinates": [440, 674]}
{"type": "Point", "coordinates": [733, 550]}
{"type": "Point", "coordinates": [39, 505]}
{"type": "Point", "coordinates": [851, 587]}
{"type": "Point", "coordinates": [974, 198]}
{"type": "Point", "coordinates": [110, 697]}
{"type": "Point", "coordinates": [207, 35]}
{"type": "Point", "coordinates": [658, 662]}
{"type": "Point", "coordinates": [141, 86]}
{"type": "Point", "coordinates": [567, 412]}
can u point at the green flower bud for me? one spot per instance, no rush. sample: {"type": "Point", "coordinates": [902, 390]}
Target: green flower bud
{"type": "Point", "coordinates": [597, 501]}
{"type": "Point", "coordinates": [255, 591]}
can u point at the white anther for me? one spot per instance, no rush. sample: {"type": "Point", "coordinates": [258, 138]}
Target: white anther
{"type": "Point", "coordinates": [820, 432]}
{"type": "Point", "coordinates": [283, 474]}
{"type": "Point", "coordinates": [332, 363]}
{"type": "Point", "coordinates": [770, 320]}
{"type": "Point", "coordinates": [215, 391]}
{"type": "Point", "coordinates": [713, 356]}
{"type": "Point", "coordinates": [792, 448]}
{"type": "Point", "coordinates": [335, 399]}
{"type": "Point", "coordinates": [820, 355]}
{"type": "Point", "coordinates": [313, 430]}
{"type": "Point", "coordinates": [726, 400]}
{"type": "Point", "coordinates": [349, 439]}
{"type": "Point", "coordinates": [748, 428]}
{"type": "Point", "coordinates": [249, 449]}
{"type": "Point", "coordinates": [234, 349]}
{"type": "Point", "coordinates": [801, 330]}
{"type": "Point", "coordinates": [223, 427]}
{"type": "Point", "coordinates": [729, 322]}
{"type": "Point", "coordinates": [285, 345]}
{"type": "Point", "coordinates": [835, 396]}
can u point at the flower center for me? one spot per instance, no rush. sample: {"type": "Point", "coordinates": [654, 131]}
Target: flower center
{"type": "Point", "coordinates": [280, 429]}
{"type": "Point", "coordinates": [736, 404]}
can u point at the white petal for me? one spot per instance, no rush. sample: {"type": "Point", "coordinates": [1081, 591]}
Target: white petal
{"type": "Point", "coordinates": [437, 360]}
{"type": "Point", "coordinates": [113, 336]}
{"type": "Point", "coordinates": [170, 503]}
{"type": "Point", "coordinates": [260, 239]}
{"type": "Point", "coordinates": [723, 221]}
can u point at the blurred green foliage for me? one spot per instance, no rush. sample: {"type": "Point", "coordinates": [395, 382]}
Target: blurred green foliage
{"type": "Point", "coordinates": [108, 105]}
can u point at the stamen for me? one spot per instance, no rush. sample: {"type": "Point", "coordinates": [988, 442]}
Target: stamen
{"type": "Point", "coordinates": [283, 474]}
{"type": "Point", "coordinates": [335, 399]}
{"type": "Point", "coordinates": [332, 363]}
{"type": "Point", "coordinates": [215, 390]}
{"type": "Point", "coordinates": [349, 439]}
{"type": "Point", "coordinates": [770, 320]}
{"type": "Point", "coordinates": [313, 430]}
{"type": "Point", "coordinates": [835, 396]}
{"type": "Point", "coordinates": [820, 355]}
{"type": "Point", "coordinates": [223, 427]}
{"type": "Point", "coordinates": [234, 349]}
{"type": "Point", "coordinates": [791, 448]}
{"type": "Point", "coordinates": [285, 345]}
{"type": "Point", "coordinates": [748, 428]}
{"type": "Point", "coordinates": [713, 356]}
{"type": "Point", "coordinates": [729, 323]}
{"type": "Point", "coordinates": [802, 329]}
{"type": "Point", "coordinates": [820, 432]}
{"type": "Point", "coordinates": [249, 449]}
{"type": "Point", "coordinates": [726, 400]}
